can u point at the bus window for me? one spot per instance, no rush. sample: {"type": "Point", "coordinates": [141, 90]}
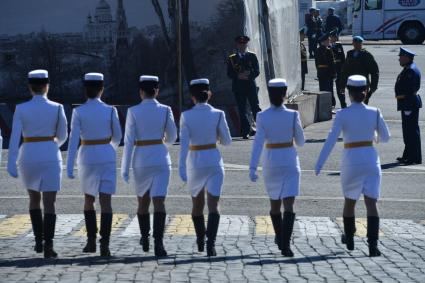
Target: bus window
{"type": "Point", "coordinates": [373, 4]}
{"type": "Point", "coordinates": [357, 5]}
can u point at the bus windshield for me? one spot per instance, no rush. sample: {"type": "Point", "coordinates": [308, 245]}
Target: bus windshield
{"type": "Point", "coordinates": [357, 5]}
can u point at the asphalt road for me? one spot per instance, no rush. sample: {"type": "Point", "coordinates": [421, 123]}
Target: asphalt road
{"type": "Point", "coordinates": [403, 189]}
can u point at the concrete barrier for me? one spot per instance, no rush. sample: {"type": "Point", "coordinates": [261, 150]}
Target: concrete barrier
{"type": "Point", "coordinates": [323, 105]}
{"type": "Point", "coordinates": [306, 106]}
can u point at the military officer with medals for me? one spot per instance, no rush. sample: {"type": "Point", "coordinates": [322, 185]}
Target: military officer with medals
{"type": "Point", "coordinates": [360, 125]}
{"type": "Point", "coordinates": [281, 166]}
{"type": "Point", "coordinates": [325, 65]}
{"type": "Point", "coordinates": [339, 56]}
{"type": "Point", "coordinates": [243, 68]}
{"type": "Point", "coordinates": [304, 67]}
{"type": "Point", "coordinates": [150, 127]}
{"type": "Point", "coordinates": [359, 61]}
{"type": "Point", "coordinates": [38, 162]}
{"type": "Point", "coordinates": [200, 163]}
{"type": "Point", "coordinates": [408, 103]}
{"type": "Point", "coordinates": [96, 125]}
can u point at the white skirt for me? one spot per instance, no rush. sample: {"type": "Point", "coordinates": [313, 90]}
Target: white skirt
{"type": "Point", "coordinates": [210, 178]}
{"type": "Point", "coordinates": [98, 178]}
{"type": "Point", "coordinates": [41, 177]}
{"type": "Point", "coordinates": [281, 182]}
{"type": "Point", "coordinates": [153, 179]}
{"type": "Point", "coordinates": [361, 179]}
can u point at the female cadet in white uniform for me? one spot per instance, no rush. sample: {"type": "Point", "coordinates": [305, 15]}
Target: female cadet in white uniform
{"type": "Point", "coordinates": [98, 127]}
{"type": "Point", "coordinates": [148, 126]}
{"type": "Point", "coordinates": [360, 168]}
{"type": "Point", "coordinates": [38, 161]}
{"type": "Point", "coordinates": [200, 129]}
{"type": "Point", "coordinates": [278, 128]}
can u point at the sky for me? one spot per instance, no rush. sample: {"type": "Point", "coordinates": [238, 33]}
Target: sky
{"type": "Point", "coordinates": [58, 16]}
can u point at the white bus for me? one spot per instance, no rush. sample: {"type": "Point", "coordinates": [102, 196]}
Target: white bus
{"type": "Point", "coordinates": [390, 19]}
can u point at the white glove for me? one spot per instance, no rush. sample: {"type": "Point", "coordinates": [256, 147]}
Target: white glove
{"type": "Point", "coordinates": [182, 172]}
{"type": "Point", "coordinates": [126, 177]}
{"type": "Point", "coordinates": [12, 170]}
{"type": "Point", "coordinates": [253, 175]}
{"type": "Point", "coordinates": [317, 169]}
{"type": "Point", "coordinates": [70, 173]}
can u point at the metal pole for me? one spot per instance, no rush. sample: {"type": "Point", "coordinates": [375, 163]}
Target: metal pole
{"type": "Point", "coordinates": [179, 55]}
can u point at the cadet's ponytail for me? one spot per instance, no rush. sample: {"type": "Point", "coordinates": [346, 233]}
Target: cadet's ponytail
{"type": "Point", "coordinates": [149, 88]}
{"type": "Point", "coordinates": [276, 95]}
{"type": "Point", "coordinates": [200, 92]}
{"type": "Point", "coordinates": [357, 94]}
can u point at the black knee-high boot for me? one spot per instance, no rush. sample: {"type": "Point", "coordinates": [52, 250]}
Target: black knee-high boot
{"type": "Point", "coordinates": [277, 224]}
{"type": "Point", "coordinates": [105, 233]}
{"type": "Point", "coordinates": [212, 228]}
{"type": "Point", "coordinates": [49, 234]}
{"type": "Point", "coordinates": [37, 228]}
{"type": "Point", "coordinates": [287, 228]}
{"type": "Point", "coordinates": [145, 226]}
{"type": "Point", "coordinates": [91, 227]}
{"type": "Point", "coordinates": [158, 233]}
{"type": "Point", "coordinates": [199, 223]}
{"type": "Point", "coordinates": [373, 235]}
{"type": "Point", "coordinates": [349, 231]}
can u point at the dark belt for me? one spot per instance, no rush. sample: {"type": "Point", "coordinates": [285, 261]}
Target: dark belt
{"type": "Point", "coordinates": [279, 145]}
{"type": "Point", "coordinates": [322, 66]}
{"type": "Point", "coordinates": [358, 144]}
{"type": "Point", "coordinates": [203, 147]}
{"type": "Point", "coordinates": [38, 139]}
{"type": "Point", "coordinates": [148, 142]}
{"type": "Point", "coordinates": [400, 97]}
{"type": "Point", "coordinates": [95, 142]}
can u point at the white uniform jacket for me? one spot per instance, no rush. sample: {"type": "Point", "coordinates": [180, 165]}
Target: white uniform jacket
{"type": "Point", "coordinates": [38, 117]}
{"type": "Point", "coordinates": [94, 120]}
{"type": "Point", "coordinates": [277, 125]}
{"type": "Point", "coordinates": [1, 145]}
{"type": "Point", "coordinates": [202, 125]}
{"type": "Point", "coordinates": [358, 123]}
{"type": "Point", "coordinates": [149, 120]}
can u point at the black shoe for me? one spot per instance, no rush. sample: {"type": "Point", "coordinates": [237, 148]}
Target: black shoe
{"type": "Point", "coordinates": [277, 224]}
{"type": "Point", "coordinates": [37, 228]}
{"type": "Point", "coordinates": [245, 137]}
{"type": "Point", "coordinates": [286, 231]}
{"type": "Point", "coordinates": [311, 57]}
{"type": "Point", "coordinates": [373, 235]}
{"type": "Point", "coordinates": [91, 227]}
{"type": "Point", "coordinates": [252, 133]}
{"type": "Point", "coordinates": [401, 159]}
{"type": "Point", "coordinates": [49, 234]}
{"type": "Point", "coordinates": [212, 228]}
{"type": "Point", "coordinates": [145, 226]}
{"type": "Point", "coordinates": [158, 233]}
{"type": "Point", "coordinates": [411, 162]}
{"type": "Point", "coordinates": [199, 224]}
{"type": "Point", "coordinates": [105, 233]}
{"type": "Point", "coordinates": [349, 230]}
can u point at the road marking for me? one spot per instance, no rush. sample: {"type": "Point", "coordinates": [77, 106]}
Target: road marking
{"type": "Point", "coordinates": [180, 225]}
{"type": "Point", "coordinates": [263, 225]}
{"type": "Point", "coordinates": [361, 227]}
{"type": "Point", "coordinates": [117, 221]}
{"type": "Point", "coordinates": [15, 225]}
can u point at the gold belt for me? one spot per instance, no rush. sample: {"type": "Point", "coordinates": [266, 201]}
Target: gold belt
{"type": "Point", "coordinates": [279, 145]}
{"type": "Point", "coordinates": [358, 144]}
{"type": "Point", "coordinates": [38, 139]}
{"type": "Point", "coordinates": [203, 147]}
{"type": "Point", "coordinates": [95, 142]}
{"type": "Point", "coordinates": [400, 97]}
{"type": "Point", "coordinates": [148, 142]}
{"type": "Point", "coordinates": [322, 66]}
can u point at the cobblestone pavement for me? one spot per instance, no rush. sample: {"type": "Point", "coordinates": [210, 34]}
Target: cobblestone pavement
{"type": "Point", "coordinates": [246, 253]}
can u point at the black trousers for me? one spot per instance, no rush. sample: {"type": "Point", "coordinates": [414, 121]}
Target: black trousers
{"type": "Point", "coordinates": [327, 84]}
{"type": "Point", "coordinates": [243, 95]}
{"type": "Point", "coordinates": [312, 45]}
{"type": "Point", "coordinates": [302, 80]}
{"type": "Point", "coordinates": [340, 90]}
{"type": "Point", "coordinates": [411, 136]}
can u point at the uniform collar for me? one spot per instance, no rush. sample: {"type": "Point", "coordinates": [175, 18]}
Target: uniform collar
{"type": "Point", "coordinates": [39, 96]}
{"type": "Point", "coordinates": [149, 100]}
{"type": "Point", "coordinates": [282, 107]}
{"type": "Point", "coordinates": [94, 100]}
{"type": "Point", "coordinates": [356, 104]}
{"type": "Point", "coordinates": [202, 106]}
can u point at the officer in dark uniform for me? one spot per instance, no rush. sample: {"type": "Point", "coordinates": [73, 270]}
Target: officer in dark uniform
{"type": "Point", "coordinates": [361, 62]}
{"type": "Point", "coordinates": [333, 22]}
{"type": "Point", "coordinates": [325, 65]}
{"type": "Point", "coordinates": [339, 56]}
{"type": "Point", "coordinates": [311, 32]}
{"type": "Point", "coordinates": [243, 68]}
{"type": "Point", "coordinates": [319, 25]}
{"type": "Point", "coordinates": [304, 68]}
{"type": "Point", "coordinates": [409, 102]}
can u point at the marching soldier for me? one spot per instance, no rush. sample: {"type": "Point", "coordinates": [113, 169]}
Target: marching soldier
{"type": "Point", "coordinates": [360, 168]}
{"type": "Point", "coordinates": [200, 164]}
{"type": "Point", "coordinates": [98, 127]}
{"type": "Point", "coordinates": [339, 56]}
{"type": "Point", "coordinates": [281, 166]}
{"type": "Point", "coordinates": [149, 126]}
{"type": "Point", "coordinates": [333, 22]}
{"type": "Point", "coordinates": [304, 67]}
{"type": "Point", "coordinates": [243, 68]}
{"type": "Point", "coordinates": [359, 61]}
{"type": "Point", "coordinates": [325, 65]}
{"type": "Point", "coordinates": [409, 102]}
{"type": "Point", "coordinates": [38, 161]}
{"type": "Point", "coordinates": [311, 32]}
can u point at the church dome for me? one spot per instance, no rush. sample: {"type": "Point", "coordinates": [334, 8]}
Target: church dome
{"type": "Point", "coordinates": [103, 12]}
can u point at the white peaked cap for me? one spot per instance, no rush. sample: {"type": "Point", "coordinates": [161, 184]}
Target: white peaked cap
{"type": "Point", "coordinates": [38, 74]}
{"type": "Point", "coordinates": [200, 82]}
{"type": "Point", "coordinates": [93, 77]}
{"type": "Point", "coordinates": [356, 81]}
{"type": "Point", "coordinates": [148, 79]}
{"type": "Point", "coordinates": [277, 83]}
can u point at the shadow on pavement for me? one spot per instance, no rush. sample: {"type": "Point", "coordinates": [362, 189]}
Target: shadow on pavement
{"type": "Point", "coordinates": [296, 260]}
{"type": "Point", "coordinates": [391, 165]}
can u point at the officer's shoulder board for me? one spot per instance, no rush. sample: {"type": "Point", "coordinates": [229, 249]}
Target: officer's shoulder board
{"type": "Point", "coordinates": [250, 52]}
{"type": "Point", "coordinates": [232, 55]}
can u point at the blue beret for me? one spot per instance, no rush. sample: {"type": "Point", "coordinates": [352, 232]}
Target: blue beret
{"type": "Point", "coordinates": [331, 8]}
{"type": "Point", "coordinates": [406, 52]}
{"type": "Point", "coordinates": [358, 38]}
